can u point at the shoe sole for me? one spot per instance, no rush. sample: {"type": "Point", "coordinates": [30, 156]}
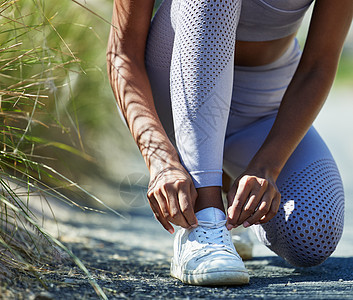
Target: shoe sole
{"type": "Point", "coordinates": [216, 277]}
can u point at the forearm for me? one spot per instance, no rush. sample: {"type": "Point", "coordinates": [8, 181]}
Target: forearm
{"type": "Point", "coordinates": [133, 93]}
{"type": "Point", "coordinates": [309, 87]}
{"type": "Point", "coordinates": [301, 104]}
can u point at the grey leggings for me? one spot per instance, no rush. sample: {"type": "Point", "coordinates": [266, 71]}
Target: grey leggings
{"type": "Point", "coordinates": [218, 115]}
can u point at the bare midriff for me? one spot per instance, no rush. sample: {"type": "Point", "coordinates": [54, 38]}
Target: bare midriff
{"type": "Point", "coordinates": [253, 54]}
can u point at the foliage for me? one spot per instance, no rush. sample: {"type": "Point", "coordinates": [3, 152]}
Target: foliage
{"type": "Point", "coordinates": [38, 74]}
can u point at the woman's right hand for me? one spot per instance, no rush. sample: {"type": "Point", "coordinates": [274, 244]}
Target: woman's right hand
{"type": "Point", "coordinates": [172, 195]}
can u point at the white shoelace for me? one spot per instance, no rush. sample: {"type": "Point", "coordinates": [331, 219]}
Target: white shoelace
{"type": "Point", "coordinates": [213, 237]}
{"type": "Point", "coordinates": [210, 238]}
{"type": "Point", "coordinates": [212, 233]}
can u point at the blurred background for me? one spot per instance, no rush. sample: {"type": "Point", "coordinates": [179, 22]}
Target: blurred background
{"type": "Point", "coordinates": [79, 131]}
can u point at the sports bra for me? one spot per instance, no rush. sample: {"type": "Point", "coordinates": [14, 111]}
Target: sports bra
{"type": "Point", "coordinates": [264, 20]}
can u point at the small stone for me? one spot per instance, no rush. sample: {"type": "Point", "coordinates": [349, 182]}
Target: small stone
{"type": "Point", "coordinates": [44, 296]}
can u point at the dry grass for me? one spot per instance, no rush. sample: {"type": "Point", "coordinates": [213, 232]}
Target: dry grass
{"type": "Point", "coordinates": [36, 67]}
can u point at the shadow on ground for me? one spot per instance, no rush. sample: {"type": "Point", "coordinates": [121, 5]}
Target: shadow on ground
{"type": "Point", "coordinates": [129, 258]}
{"type": "Point", "coordinates": [125, 272]}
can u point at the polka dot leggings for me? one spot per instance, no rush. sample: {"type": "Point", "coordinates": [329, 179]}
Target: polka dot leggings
{"type": "Point", "coordinates": [218, 115]}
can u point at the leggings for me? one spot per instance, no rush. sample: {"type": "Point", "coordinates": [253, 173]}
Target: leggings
{"type": "Point", "coordinates": [218, 115]}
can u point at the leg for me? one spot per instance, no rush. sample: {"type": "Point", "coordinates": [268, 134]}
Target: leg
{"type": "Point", "coordinates": [198, 39]}
{"type": "Point", "coordinates": [201, 84]}
{"type": "Point", "coordinates": [200, 87]}
{"type": "Point", "coordinates": [309, 223]}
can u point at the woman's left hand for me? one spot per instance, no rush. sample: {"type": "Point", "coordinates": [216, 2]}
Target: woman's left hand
{"type": "Point", "coordinates": [253, 199]}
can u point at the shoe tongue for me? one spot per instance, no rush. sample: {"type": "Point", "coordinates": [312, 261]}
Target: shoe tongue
{"type": "Point", "coordinates": [210, 214]}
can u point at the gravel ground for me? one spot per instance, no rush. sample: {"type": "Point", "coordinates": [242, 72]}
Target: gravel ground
{"type": "Point", "coordinates": [129, 257]}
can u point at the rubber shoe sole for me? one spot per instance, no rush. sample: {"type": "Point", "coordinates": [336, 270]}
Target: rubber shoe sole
{"type": "Point", "coordinates": [211, 277]}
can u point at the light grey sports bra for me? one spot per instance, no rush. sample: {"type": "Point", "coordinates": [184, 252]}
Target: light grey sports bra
{"type": "Point", "coordinates": [264, 20]}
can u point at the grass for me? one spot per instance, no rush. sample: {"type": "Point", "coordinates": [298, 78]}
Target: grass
{"type": "Point", "coordinates": [38, 73]}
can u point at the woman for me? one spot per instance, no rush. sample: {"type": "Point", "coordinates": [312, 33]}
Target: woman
{"type": "Point", "coordinates": [214, 84]}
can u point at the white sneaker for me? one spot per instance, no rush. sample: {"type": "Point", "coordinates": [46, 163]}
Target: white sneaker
{"type": "Point", "coordinates": [206, 255]}
{"type": "Point", "coordinates": [242, 242]}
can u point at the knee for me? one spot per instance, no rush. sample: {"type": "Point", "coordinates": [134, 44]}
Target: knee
{"type": "Point", "coordinates": [308, 239]}
{"type": "Point", "coordinates": [310, 249]}
{"type": "Point", "coordinates": [310, 221]}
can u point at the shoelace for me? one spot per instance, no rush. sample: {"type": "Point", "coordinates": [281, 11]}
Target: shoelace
{"type": "Point", "coordinates": [214, 237]}
{"type": "Point", "coordinates": [211, 237]}
{"type": "Point", "coordinates": [212, 233]}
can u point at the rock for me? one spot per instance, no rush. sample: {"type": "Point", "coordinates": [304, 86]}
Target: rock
{"type": "Point", "coordinates": [44, 296]}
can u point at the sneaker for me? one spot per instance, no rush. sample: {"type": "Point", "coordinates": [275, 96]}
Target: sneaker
{"type": "Point", "coordinates": [205, 255]}
{"type": "Point", "coordinates": [242, 242]}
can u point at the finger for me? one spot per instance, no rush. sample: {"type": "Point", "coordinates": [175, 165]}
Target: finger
{"type": "Point", "coordinates": [162, 202]}
{"type": "Point", "coordinates": [176, 216]}
{"type": "Point", "coordinates": [248, 209]}
{"type": "Point", "coordinates": [273, 209]}
{"type": "Point", "coordinates": [267, 209]}
{"type": "Point", "coordinates": [186, 205]}
{"type": "Point", "coordinates": [254, 200]}
{"type": "Point", "coordinates": [158, 215]}
{"type": "Point", "coordinates": [262, 210]}
{"type": "Point", "coordinates": [240, 198]}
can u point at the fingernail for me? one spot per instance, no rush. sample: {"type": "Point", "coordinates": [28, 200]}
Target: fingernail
{"type": "Point", "coordinates": [171, 230]}
{"type": "Point", "coordinates": [229, 227]}
{"type": "Point", "coordinates": [246, 224]}
{"type": "Point", "coordinates": [194, 225]}
{"type": "Point", "coordinates": [257, 223]}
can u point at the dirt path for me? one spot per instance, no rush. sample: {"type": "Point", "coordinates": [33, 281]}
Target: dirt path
{"type": "Point", "coordinates": [129, 258]}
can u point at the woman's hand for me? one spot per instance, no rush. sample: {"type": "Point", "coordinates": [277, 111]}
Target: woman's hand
{"type": "Point", "coordinates": [172, 196]}
{"type": "Point", "coordinates": [253, 199]}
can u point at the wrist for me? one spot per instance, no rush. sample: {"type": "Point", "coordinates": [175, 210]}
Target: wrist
{"type": "Point", "coordinates": [156, 149]}
{"type": "Point", "coordinates": [271, 158]}
{"type": "Point", "coordinates": [162, 159]}
{"type": "Point", "coordinates": [266, 168]}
